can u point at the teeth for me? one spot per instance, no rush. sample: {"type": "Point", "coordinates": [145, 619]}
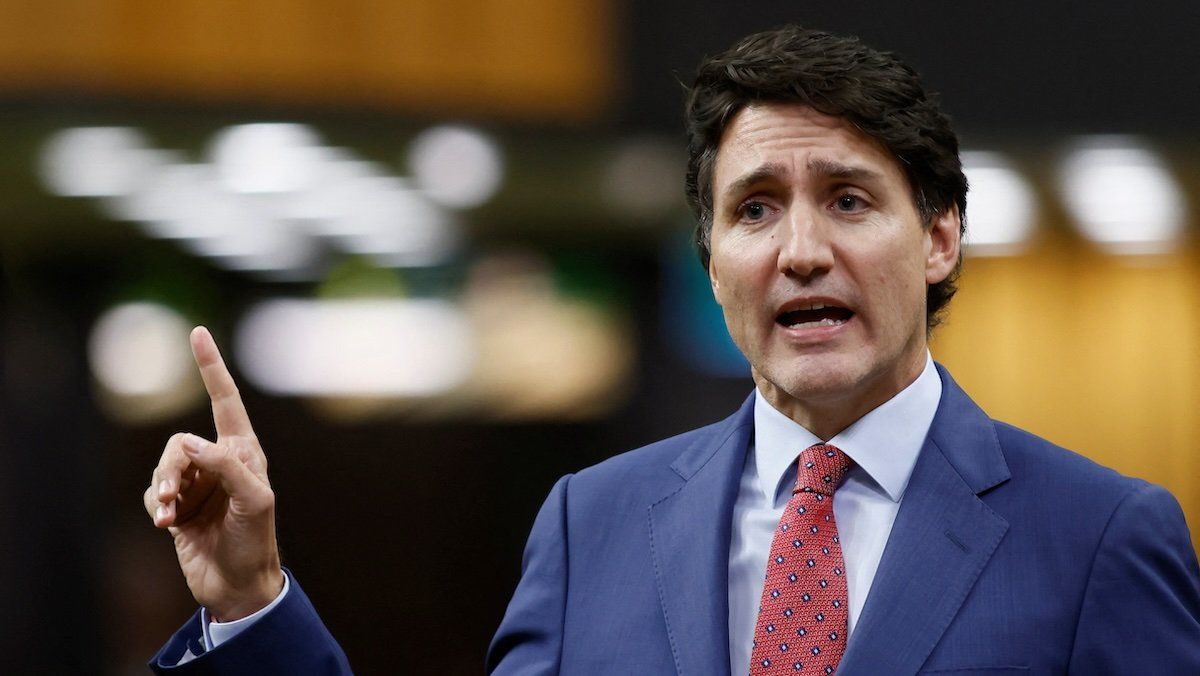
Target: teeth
{"type": "Point", "coordinates": [823, 322]}
{"type": "Point", "coordinates": [813, 306]}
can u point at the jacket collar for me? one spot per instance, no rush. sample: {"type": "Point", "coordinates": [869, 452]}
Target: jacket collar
{"type": "Point", "coordinates": [689, 529]}
{"type": "Point", "coordinates": [941, 540]}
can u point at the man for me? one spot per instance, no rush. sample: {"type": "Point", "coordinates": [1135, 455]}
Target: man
{"type": "Point", "coordinates": [858, 513]}
{"type": "Point", "coordinates": [830, 196]}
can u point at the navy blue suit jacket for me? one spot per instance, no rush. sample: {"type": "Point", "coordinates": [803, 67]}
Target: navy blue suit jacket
{"type": "Point", "coordinates": [1008, 555]}
{"type": "Point", "coordinates": [291, 639]}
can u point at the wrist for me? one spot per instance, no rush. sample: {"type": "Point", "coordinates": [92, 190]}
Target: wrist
{"type": "Point", "coordinates": [259, 597]}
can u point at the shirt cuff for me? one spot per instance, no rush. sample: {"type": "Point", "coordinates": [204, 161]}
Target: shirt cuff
{"type": "Point", "coordinates": [216, 633]}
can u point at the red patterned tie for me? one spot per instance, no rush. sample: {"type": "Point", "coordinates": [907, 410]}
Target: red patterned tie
{"type": "Point", "coordinates": [802, 617]}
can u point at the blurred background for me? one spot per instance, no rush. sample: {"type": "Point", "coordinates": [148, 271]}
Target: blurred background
{"type": "Point", "coordinates": [445, 250]}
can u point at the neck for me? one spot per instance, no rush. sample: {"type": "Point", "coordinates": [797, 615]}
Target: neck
{"type": "Point", "coordinates": [826, 415]}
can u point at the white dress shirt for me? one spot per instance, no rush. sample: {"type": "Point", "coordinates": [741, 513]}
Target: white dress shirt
{"type": "Point", "coordinates": [884, 445]}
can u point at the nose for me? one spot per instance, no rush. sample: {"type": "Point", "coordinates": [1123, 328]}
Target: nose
{"type": "Point", "coordinates": [805, 249]}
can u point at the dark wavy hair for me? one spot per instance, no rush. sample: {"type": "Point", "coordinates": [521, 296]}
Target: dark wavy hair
{"type": "Point", "coordinates": [840, 76]}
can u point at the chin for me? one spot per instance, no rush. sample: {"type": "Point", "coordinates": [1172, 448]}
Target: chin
{"type": "Point", "coordinates": [816, 378]}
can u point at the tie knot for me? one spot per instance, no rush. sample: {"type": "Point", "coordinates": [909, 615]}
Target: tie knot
{"type": "Point", "coordinates": [821, 468]}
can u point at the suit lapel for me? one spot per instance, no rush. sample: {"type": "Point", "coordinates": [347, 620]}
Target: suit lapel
{"type": "Point", "coordinates": [943, 537]}
{"type": "Point", "coordinates": [689, 531]}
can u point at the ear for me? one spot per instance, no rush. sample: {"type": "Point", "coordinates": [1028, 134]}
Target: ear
{"type": "Point", "coordinates": [943, 244]}
{"type": "Point", "coordinates": [714, 279]}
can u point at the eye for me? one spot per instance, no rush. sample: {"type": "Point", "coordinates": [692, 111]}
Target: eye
{"type": "Point", "coordinates": [849, 202]}
{"type": "Point", "coordinates": [753, 211]}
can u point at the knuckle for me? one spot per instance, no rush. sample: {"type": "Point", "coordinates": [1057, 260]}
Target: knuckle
{"type": "Point", "coordinates": [170, 455]}
{"type": "Point", "coordinates": [225, 457]}
{"type": "Point", "coordinates": [173, 449]}
{"type": "Point", "coordinates": [149, 503]}
{"type": "Point", "coordinates": [228, 393]}
{"type": "Point", "coordinates": [267, 503]}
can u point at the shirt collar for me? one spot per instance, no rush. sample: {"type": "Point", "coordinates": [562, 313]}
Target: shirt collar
{"type": "Point", "coordinates": [884, 443]}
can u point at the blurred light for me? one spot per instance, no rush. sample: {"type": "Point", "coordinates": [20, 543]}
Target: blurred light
{"type": "Point", "coordinates": [400, 226]}
{"type": "Point", "coordinates": [1002, 205]}
{"type": "Point", "coordinates": [266, 157]}
{"type": "Point", "coordinates": [1122, 195]}
{"type": "Point", "coordinates": [165, 204]}
{"type": "Point", "coordinates": [383, 217]}
{"type": "Point", "coordinates": [95, 161]}
{"type": "Point", "coordinates": [137, 200]}
{"type": "Point", "coordinates": [253, 241]}
{"type": "Point", "coordinates": [269, 194]}
{"type": "Point", "coordinates": [456, 166]}
{"type": "Point", "coordinates": [140, 349]}
{"type": "Point", "coordinates": [586, 354]}
{"type": "Point", "coordinates": [380, 347]}
{"type": "Point", "coordinates": [272, 199]}
{"type": "Point", "coordinates": [642, 178]}
{"type": "Point", "coordinates": [541, 355]}
{"type": "Point", "coordinates": [222, 225]}
{"type": "Point", "coordinates": [337, 189]}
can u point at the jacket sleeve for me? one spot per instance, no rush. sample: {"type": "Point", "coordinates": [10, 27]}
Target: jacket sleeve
{"type": "Point", "coordinates": [290, 639]}
{"type": "Point", "coordinates": [529, 640]}
{"type": "Point", "coordinates": [1141, 609]}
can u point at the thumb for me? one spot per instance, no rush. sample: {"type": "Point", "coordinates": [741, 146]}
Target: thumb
{"type": "Point", "coordinates": [244, 488]}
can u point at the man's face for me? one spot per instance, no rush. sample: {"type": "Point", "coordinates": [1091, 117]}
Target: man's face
{"type": "Point", "coordinates": [820, 263]}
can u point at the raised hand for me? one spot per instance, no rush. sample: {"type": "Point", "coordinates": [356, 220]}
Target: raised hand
{"type": "Point", "coordinates": [216, 501]}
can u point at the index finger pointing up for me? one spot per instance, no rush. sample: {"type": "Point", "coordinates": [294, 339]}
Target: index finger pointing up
{"type": "Point", "coordinates": [229, 413]}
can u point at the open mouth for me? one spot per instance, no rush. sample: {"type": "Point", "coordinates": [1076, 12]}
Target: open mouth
{"type": "Point", "coordinates": [813, 316]}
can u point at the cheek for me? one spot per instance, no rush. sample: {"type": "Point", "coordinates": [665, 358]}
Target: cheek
{"type": "Point", "coordinates": [898, 284]}
{"type": "Point", "coordinates": [733, 301]}
{"type": "Point", "coordinates": [739, 297]}
{"type": "Point", "coordinates": [731, 283]}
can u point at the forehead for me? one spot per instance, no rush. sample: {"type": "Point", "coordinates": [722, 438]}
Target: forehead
{"type": "Point", "coordinates": [793, 137]}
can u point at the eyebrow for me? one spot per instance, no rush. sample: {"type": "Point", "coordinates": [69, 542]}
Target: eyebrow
{"type": "Point", "coordinates": [832, 169]}
{"type": "Point", "coordinates": [821, 167]}
{"type": "Point", "coordinates": [762, 173]}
